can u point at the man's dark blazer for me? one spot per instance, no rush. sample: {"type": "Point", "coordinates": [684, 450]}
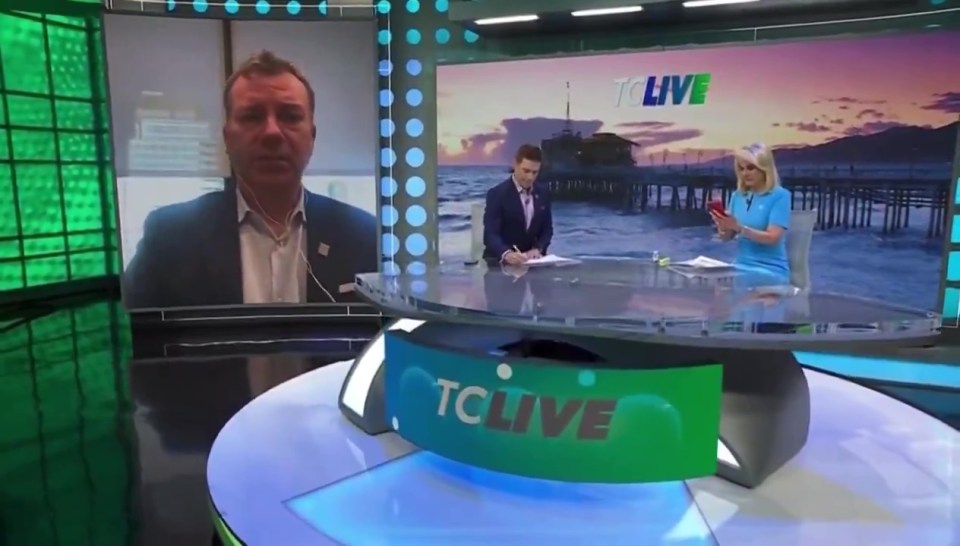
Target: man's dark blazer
{"type": "Point", "coordinates": [190, 252]}
{"type": "Point", "coordinates": [505, 226]}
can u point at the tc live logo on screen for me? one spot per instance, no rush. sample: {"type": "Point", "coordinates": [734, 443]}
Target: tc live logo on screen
{"type": "Point", "coordinates": [646, 91]}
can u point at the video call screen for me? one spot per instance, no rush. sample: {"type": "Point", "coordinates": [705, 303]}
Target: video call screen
{"type": "Point", "coordinates": [861, 133]}
{"type": "Point", "coordinates": [185, 239]}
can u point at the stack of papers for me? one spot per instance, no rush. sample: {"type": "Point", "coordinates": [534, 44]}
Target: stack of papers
{"type": "Point", "coordinates": [703, 262]}
{"type": "Point", "coordinates": [550, 259]}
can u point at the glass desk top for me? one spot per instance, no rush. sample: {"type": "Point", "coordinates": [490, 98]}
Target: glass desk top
{"type": "Point", "coordinates": [638, 298]}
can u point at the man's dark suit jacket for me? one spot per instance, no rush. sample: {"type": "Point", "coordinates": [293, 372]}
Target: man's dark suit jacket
{"type": "Point", "coordinates": [505, 226]}
{"type": "Point", "coordinates": [190, 252]}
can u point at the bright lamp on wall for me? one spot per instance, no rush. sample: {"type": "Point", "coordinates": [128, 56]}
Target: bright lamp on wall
{"type": "Point", "coordinates": [606, 11]}
{"type": "Point", "coordinates": [708, 3]}
{"type": "Point", "coordinates": [506, 20]}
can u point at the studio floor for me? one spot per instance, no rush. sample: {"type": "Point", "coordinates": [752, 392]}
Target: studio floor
{"type": "Point", "coordinates": [105, 436]}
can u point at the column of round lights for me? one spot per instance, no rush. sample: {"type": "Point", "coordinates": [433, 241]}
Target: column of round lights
{"type": "Point", "coordinates": [261, 7]}
{"type": "Point", "coordinates": [389, 242]}
{"type": "Point", "coordinates": [415, 215]}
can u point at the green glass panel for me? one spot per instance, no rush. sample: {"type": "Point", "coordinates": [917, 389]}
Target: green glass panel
{"type": "Point", "coordinates": [75, 22]}
{"type": "Point", "coordinates": [104, 107]}
{"type": "Point", "coordinates": [8, 211]}
{"type": "Point", "coordinates": [69, 62]}
{"type": "Point", "coordinates": [42, 271]}
{"type": "Point", "coordinates": [27, 485]}
{"type": "Point", "coordinates": [34, 246]}
{"type": "Point", "coordinates": [72, 114]}
{"type": "Point", "coordinates": [85, 241]}
{"type": "Point", "coordinates": [106, 147]}
{"type": "Point", "coordinates": [23, 55]}
{"type": "Point", "coordinates": [100, 78]}
{"type": "Point", "coordinates": [28, 85]}
{"type": "Point", "coordinates": [39, 199]}
{"type": "Point", "coordinates": [81, 191]}
{"type": "Point", "coordinates": [11, 276]}
{"type": "Point", "coordinates": [9, 248]}
{"type": "Point", "coordinates": [116, 262]}
{"type": "Point", "coordinates": [33, 145]}
{"type": "Point", "coordinates": [109, 181]}
{"type": "Point", "coordinates": [29, 111]}
{"type": "Point", "coordinates": [78, 146]}
{"type": "Point", "coordinates": [88, 264]}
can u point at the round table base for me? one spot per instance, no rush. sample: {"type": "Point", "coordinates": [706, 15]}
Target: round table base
{"type": "Point", "coordinates": [290, 469]}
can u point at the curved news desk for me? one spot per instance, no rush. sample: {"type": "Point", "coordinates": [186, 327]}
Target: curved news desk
{"type": "Point", "coordinates": [607, 370]}
{"type": "Point", "coordinates": [604, 374]}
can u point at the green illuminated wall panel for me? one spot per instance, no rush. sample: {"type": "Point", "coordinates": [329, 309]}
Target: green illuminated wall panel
{"type": "Point", "coordinates": [66, 444]}
{"type": "Point", "coordinates": [56, 219]}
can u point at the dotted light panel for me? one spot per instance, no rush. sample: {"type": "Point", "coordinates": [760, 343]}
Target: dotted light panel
{"type": "Point", "coordinates": [951, 269]}
{"type": "Point", "coordinates": [277, 9]}
{"type": "Point", "coordinates": [953, 266]}
{"type": "Point", "coordinates": [56, 220]}
{"type": "Point", "coordinates": [951, 307]}
{"type": "Point", "coordinates": [412, 35]}
{"type": "Point", "coordinates": [63, 373]}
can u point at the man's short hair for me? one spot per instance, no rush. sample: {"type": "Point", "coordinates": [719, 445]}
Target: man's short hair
{"type": "Point", "coordinates": [265, 63]}
{"type": "Point", "coordinates": [528, 152]}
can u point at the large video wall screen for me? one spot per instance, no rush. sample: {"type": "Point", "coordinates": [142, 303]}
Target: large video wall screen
{"type": "Point", "coordinates": [861, 131]}
{"type": "Point", "coordinates": [209, 199]}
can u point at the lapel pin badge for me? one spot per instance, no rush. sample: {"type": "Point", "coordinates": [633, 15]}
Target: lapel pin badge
{"type": "Point", "coordinates": [323, 249]}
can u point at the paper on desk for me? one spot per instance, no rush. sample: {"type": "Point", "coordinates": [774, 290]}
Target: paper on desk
{"type": "Point", "coordinates": [549, 259]}
{"type": "Point", "coordinates": [703, 262]}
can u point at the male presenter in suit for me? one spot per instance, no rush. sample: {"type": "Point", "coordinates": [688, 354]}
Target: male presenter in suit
{"type": "Point", "coordinates": [517, 221]}
{"type": "Point", "coordinates": [264, 238]}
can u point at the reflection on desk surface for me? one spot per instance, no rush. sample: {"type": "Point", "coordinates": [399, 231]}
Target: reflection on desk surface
{"type": "Point", "coordinates": [625, 294]}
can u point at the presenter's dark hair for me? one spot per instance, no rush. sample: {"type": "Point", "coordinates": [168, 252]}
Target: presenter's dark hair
{"type": "Point", "coordinates": [265, 63]}
{"type": "Point", "coordinates": [528, 152]}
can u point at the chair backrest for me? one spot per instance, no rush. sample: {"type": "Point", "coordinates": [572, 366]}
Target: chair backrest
{"type": "Point", "coordinates": [476, 231]}
{"type": "Point", "coordinates": [799, 236]}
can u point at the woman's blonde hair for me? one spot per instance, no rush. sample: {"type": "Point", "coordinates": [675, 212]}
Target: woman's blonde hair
{"type": "Point", "coordinates": [761, 157]}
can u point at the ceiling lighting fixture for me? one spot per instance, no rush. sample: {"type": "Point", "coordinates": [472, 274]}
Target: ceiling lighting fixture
{"type": "Point", "coordinates": [707, 3]}
{"type": "Point", "coordinates": [606, 11]}
{"type": "Point", "coordinates": [505, 20]}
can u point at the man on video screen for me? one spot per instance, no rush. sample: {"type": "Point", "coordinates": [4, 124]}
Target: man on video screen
{"type": "Point", "coordinates": [264, 238]}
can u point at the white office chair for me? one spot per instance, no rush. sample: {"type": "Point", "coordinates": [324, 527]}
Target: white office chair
{"type": "Point", "coordinates": [476, 231]}
{"type": "Point", "coordinates": [799, 236]}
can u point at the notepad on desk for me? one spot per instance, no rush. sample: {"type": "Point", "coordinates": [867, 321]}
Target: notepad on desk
{"type": "Point", "coordinates": [550, 259]}
{"type": "Point", "coordinates": [703, 262]}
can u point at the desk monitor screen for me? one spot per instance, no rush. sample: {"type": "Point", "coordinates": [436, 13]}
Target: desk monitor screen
{"type": "Point", "coordinates": [634, 147]}
{"type": "Point", "coordinates": [253, 189]}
